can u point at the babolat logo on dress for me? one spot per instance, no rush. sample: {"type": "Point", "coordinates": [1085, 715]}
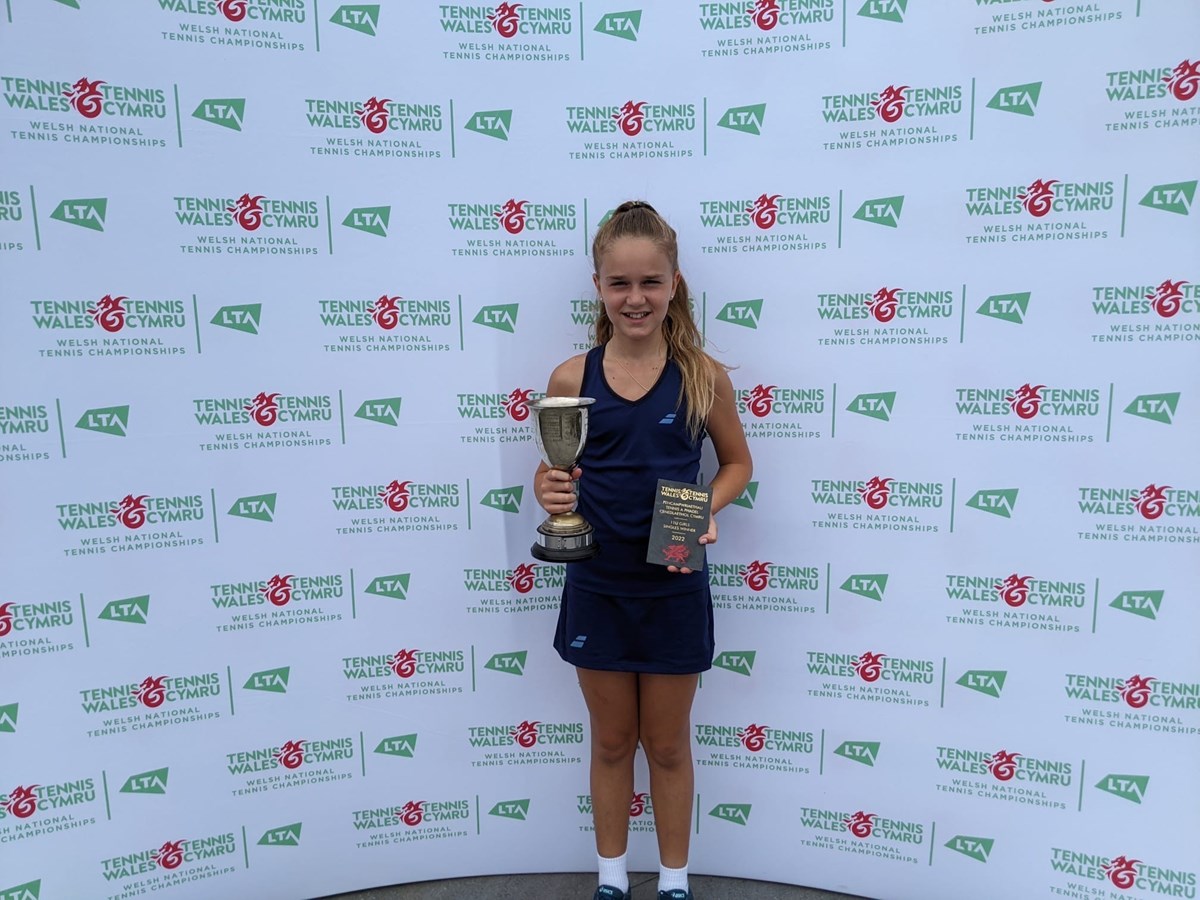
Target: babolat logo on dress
{"type": "Point", "coordinates": [1006, 775]}
{"type": "Point", "coordinates": [1163, 97]}
{"type": "Point", "coordinates": [898, 115]}
{"type": "Point", "coordinates": [515, 227]}
{"type": "Point", "coordinates": [174, 863]}
{"type": "Point", "coordinates": [389, 324]}
{"type": "Point", "coordinates": [405, 506]}
{"type": "Point", "coordinates": [635, 129]}
{"type": "Point", "coordinates": [1020, 602]}
{"type": "Point", "coordinates": [133, 518]}
{"type": "Point", "coordinates": [1159, 514]}
{"type": "Point", "coordinates": [1120, 872]}
{"type": "Point", "coordinates": [157, 701]}
{"type": "Point", "coordinates": [377, 127]}
{"type": "Point", "coordinates": [1137, 702]}
{"type": "Point", "coordinates": [276, 420]}
{"type": "Point", "coordinates": [34, 629]}
{"type": "Point", "coordinates": [25, 434]}
{"type": "Point", "coordinates": [1046, 209]}
{"type": "Point", "coordinates": [509, 32]}
{"type": "Point", "coordinates": [531, 742]}
{"type": "Point", "coordinates": [1036, 17]}
{"type": "Point", "coordinates": [873, 677]}
{"type": "Point", "coordinates": [880, 503]}
{"type": "Point", "coordinates": [764, 586]}
{"type": "Point", "coordinates": [37, 808]}
{"type": "Point", "coordinates": [293, 763]}
{"type": "Point", "coordinates": [269, 25]}
{"type": "Point", "coordinates": [252, 224]}
{"type": "Point", "coordinates": [281, 600]}
{"type": "Point", "coordinates": [1168, 312]}
{"type": "Point", "coordinates": [1031, 413]}
{"type": "Point", "coordinates": [767, 27]}
{"type": "Point", "coordinates": [507, 416]}
{"type": "Point", "coordinates": [408, 672]}
{"type": "Point", "coordinates": [641, 812]}
{"type": "Point", "coordinates": [778, 412]}
{"type": "Point", "coordinates": [759, 746]}
{"type": "Point", "coordinates": [89, 111]}
{"type": "Point", "coordinates": [861, 833]}
{"type": "Point", "coordinates": [412, 820]}
{"type": "Point", "coordinates": [768, 223]}
{"type": "Point", "coordinates": [890, 315]}
{"type": "Point", "coordinates": [529, 587]}
{"type": "Point", "coordinates": [111, 326]}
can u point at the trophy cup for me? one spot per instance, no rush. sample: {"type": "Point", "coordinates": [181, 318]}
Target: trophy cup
{"type": "Point", "coordinates": [560, 430]}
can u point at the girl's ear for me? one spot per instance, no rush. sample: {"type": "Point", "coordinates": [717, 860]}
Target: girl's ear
{"type": "Point", "coordinates": [596, 282]}
{"type": "Point", "coordinates": [675, 282]}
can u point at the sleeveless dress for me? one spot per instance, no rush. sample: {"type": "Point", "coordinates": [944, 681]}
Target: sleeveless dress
{"type": "Point", "coordinates": [619, 612]}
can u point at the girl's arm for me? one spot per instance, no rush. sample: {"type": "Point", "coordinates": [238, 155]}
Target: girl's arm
{"type": "Point", "coordinates": [554, 488]}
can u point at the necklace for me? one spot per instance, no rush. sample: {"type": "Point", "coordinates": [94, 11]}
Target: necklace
{"type": "Point", "coordinates": [645, 389]}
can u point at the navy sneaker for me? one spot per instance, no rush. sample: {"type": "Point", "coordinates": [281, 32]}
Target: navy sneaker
{"type": "Point", "coordinates": [608, 892]}
{"type": "Point", "coordinates": [677, 894]}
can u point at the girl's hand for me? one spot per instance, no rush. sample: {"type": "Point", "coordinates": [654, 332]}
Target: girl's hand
{"type": "Point", "coordinates": [709, 537]}
{"type": "Point", "coordinates": [556, 490]}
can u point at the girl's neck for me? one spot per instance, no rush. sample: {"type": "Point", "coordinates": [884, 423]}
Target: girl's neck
{"type": "Point", "coordinates": [653, 347]}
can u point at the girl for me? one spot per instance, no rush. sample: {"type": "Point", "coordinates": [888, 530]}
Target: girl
{"type": "Point", "coordinates": [640, 634]}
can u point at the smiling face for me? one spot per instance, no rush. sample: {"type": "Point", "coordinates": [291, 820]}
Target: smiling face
{"type": "Point", "coordinates": [635, 280]}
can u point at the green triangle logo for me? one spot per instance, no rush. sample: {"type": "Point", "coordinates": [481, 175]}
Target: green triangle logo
{"type": "Point", "coordinates": [739, 661]}
{"type": "Point", "coordinates": [371, 219]}
{"type": "Point", "coordinates": [401, 745]}
{"type": "Point", "coordinates": [1006, 307]}
{"type": "Point", "coordinates": [363, 18]}
{"type": "Point", "coordinates": [624, 25]}
{"type": "Point", "coordinates": [86, 213]}
{"type": "Point", "coordinates": [502, 317]}
{"type": "Point", "coordinates": [869, 586]}
{"type": "Point", "coordinates": [385, 411]}
{"type": "Point", "coordinates": [738, 813]}
{"type": "Point", "coordinates": [1155, 407]}
{"type": "Point", "coordinates": [30, 890]}
{"type": "Point", "coordinates": [134, 610]}
{"type": "Point", "coordinates": [152, 782]}
{"type": "Point", "coordinates": [273, 681]}
{"type": "Point", "coordinates": [741, 312]}
{"type": "Point", "coordinates": [990, 682]}
{"type": "Point", "coordinates": [493, 123]}
{"type": "Point", "coordinates": [227, 112]}
{"type": "Point", "coordinates": [1173, 198]}
{"type": "Point", "coordinates": [245, 318]}
{"type": "Point", "coordinates": [393, 586]}
{"type": "Point", "coordinates": [1021, 99]}
{"type": "Point", "coordinates": [112, 420]}
{"type": "Point", "coordinates": [74, 4]}
{"type": "Point", "coordinates": [511, 809]}
{"type": "Point", "coordinates": [1127, 787]}
{"type": "Point", "coordinates": [284, 836]}
{"type": "Point", "coordinates": [260, 507]}
{"type": "Point", "coordinates": [747, 119]}
{"type": "Point", "coordinates": [997, 502]}
{"type": "Point", "coordinates": [864, 752]}
{"type": "Point", "coordinates": [975, 847]}
{"type": "Point", "coordinates": [747, 497]}
{"type": "Point", "coordinates": [1139, 603]}
{"type": "Point", "coordinates": [504, 499]}
{"type": "Point", "coordinates": [882, 211]}
{"type": "Point", "coordinates": [884, 10]}
{"type": "Point", "coordinates": [8, 718]}
{"type": "Point", "coordinates": [874, 406]}
{"type": "Point", "coordinates": [509, 663]}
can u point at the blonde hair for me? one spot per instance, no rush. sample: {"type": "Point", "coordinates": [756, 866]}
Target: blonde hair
{"type": "Point", "coordinates": [685, 344]}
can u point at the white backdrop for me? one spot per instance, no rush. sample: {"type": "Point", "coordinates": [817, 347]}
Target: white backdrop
{"type": "Point", "coordinates": [949, 249]}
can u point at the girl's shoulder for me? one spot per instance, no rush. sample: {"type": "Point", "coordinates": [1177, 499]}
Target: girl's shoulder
{"type": "Point", "coordinates": [567, 378]}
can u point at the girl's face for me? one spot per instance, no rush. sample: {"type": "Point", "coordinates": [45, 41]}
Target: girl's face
{"type": "Point", "coordinates": [635, 281]}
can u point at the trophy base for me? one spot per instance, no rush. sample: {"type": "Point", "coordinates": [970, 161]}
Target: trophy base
{"type": "Point", "coordinates": [566, 541]}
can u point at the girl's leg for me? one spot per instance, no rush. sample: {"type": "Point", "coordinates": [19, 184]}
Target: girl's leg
{"type": "Point", "coordinates": [612, 702]}
{"type": "Point", "coordinates": [664, 716]}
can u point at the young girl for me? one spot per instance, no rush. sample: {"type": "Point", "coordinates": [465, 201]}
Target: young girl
{"type": "Point", "coordinates": [640, 634]}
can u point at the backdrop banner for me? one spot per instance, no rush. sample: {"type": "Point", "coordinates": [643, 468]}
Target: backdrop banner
{"type": "Point", "coordinates": [280, 280]}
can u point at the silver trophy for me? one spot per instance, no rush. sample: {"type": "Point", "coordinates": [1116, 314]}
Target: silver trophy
{"type": "Point", "coordinates": [560, 429]}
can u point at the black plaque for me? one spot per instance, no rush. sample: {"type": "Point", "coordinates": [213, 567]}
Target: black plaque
{"type": "Point", "coordinates": [681, 516]}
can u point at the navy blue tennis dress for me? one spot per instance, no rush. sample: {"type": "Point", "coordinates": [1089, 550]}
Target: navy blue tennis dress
{"type": "Point", "coordinates": [619, 612]}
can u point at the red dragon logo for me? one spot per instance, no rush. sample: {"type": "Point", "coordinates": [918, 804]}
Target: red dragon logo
{"type": "Point", "coordinates": [675, 554]}
{"type": "Point", "coordinates": [756, 575]}
{"type": "Point", "coordinates": [1167, 298]}
{"type": "Point", "coordinates": [247, 212]}
{"type": "Point", "coordinates": [404, 663]}
{"type": "Point", "coordinates": [753, 737]}
{"type": "Point", "coordinates": [108, 313]}
{"type": "Point", "coordinates": [385, 312]}
{"type": "Point", "coordinates": [517, 404]}
{"type": "Point", "coordinates": [876, 491]}
{"type": "Point", "coordinates": [890, 105]}
{"type": "Point", "coordinates": [6, 619]}
{"type": "Point", "coordinates": [631, 118]}
{"type": "Point", "coordinates": [1026, 402]}
{"type": "Point", "coordinates": [151, 692]}
{"type": "Point", "coordinates": [1014, 590]}
{"type": "Point", "coordinates": [637, 806]}
{"type": "Point", "coordinates": [1122, 872]}
{"type": "Point", "coordinates": [760, 400]}
{"type": "Point", "coordinates": [1038, 198]}
{"type": "Point", "coordinates": [860, 824]}
{"type": "Point", "coordinates": [526, 734]}
{"type": "Point", "coordinates": [1002, 765]}
{"type": "Point", "coordinates": [765, 14]}
{"type": "Point", "coordinates": [395, 495]}
{"type": "Point", "coordinates": [869, 666]}
{"type": "Point", "coordinates": [1184, 80]}
{"type": "Point", "coordinates": [23, 801]}
{"type": "Point", "coordinates": [278, 590]}
{"type": "Point", "coordinates": [132, 511]}
{"type": "Point", "coordinates": [1151, 501]}
{"type": "Point", "coordinates": [233, 10]}
{"type": "Point", "coordinates": [1136, 690]}
{"type": "Point", "coordinates": [412, 813]}
{"type": "Point", "coordinates": [883, 305]}
{"type": "Point", "coordinates": [512, 215]}
{"type": "Point", "coordinates": [169, 855]}
{"type": "Point", "coordinates": [263, 409]}
{"type": "Point", "coordinates": [765, 211]}
{"type": "Point", "coordinates": [86, 98]}
{"type": "Point", "coordinates": [521, 578]}
{"type": "Point", "coordinates": [291, 754]}
{"type": "Point", "coordinates": [374, 114]}
{"type": "Point", "coordinates": [506, 19]}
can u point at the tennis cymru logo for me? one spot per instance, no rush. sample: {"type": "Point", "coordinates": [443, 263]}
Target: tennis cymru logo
{"type": "Point", "coordinates": [262, 25]}
{"type": "Point", "coordinates": [885, 10]}
{"type": "Point", "coordinates": [775, 411]}
{"type": "Point", "coordinates": [528, 742]}
{"type": "Point", "coordinates": [1128, 787]}
{"type": "Point", "coordinates": [25, 434]}
{"type": "Point", "coordinates": [235, 11]}
{"type": "Point", "coordinates": [152, 782]}
{"type": "Point", "coordinates": [291, 764]}
{"type": "Point", "coordinates": [528, 587]}
{"type": "Point", "coordinates": [886, 304]}
{"type": "Point", "coordinates": [88, 111]}
{"type": "Point", "coordinates": [89, 212]}
{"type": "Point", "coordinates": [173, 863]}
{"type": "Point", "coordinates": [862, 752]}
{"type": "Point", "coordinates": [642, 129]}
{"type": "Point", "coordinates": [249, 223]}
{"type": "Point", "coordinates": [394, 587]}
{"type": "Point", "coordinates": [977, 848]}
{"type": "Point", "coordinates": [861, 833]}
{"type": "Point", "coordinates": [1145, 603]}
{"type": "Point", "coordinates": [764, 586]}
{"type": "Point", "coordinates": [880, 503]}
{"type": "Point", "coordinates": [760, 224]}
{"type": "Point", "coordinates": [1019, 99]}
{"type": "Point", "coordinates": [183, 515]}
{"type": "Point", "coordinates": [1147, 313]}
{"type": "Point", "coordinates": [870, 586]}
{"type": "Point", "coordinates": [132, 610]}
{"type": "Point", "coordinates": [746, 119]}
{"type": "Point", "coordinates": [30, 810]}
{"type": "Point", "coordinates": [624, 25]}
{"type": "Point", "coordinates": [360, 17]}
{"type": "Point", "coordinates": [397, 129]}
{"type": "Point", "coordinates": [905, 114]}
{"type": "Point", "coordinates": [507, 416]}
{"type": "Point", "coordinates": [156, 701]}
{"type": "Point", "coordinates": [1160, 513]}
{"type": "Point", "coordinates": [984, 681]}
{"type": "Point", "coordinates": [1157, 97]}
{"type": "Point", "coordinates": [873, 677]}
{"type": "Point", "coordinates": [1006, 776]}
{"type": "Point", "coordinates": [113, 325]}
{"type": "Point", "coordinates": [1173, 198]}
{"type": "Point", "coordinates": [764, 15]}
{"type": "Point", "coordinates": [412, 820]}
{"type": "Point", "coordinates": [1122, 873]}
{"type": "Point", "coordinates": [509, 32]}
{"type": "Point", "coordinates": [757, 745]}
{"type": "Point", "coordinates": [281, 600]}
{"type": "Point", "coordinates": [1045, 209]}
{"type": "Point", "coordinates": [389, 323]}
{"type": "Point", "coordinates": [407, 672]}
{"type": "Point", "coordinates": [1136, 692]}
{"type": "Point", "coordinates": [227, 112]}
{"type": "Point", "coordinates": [29, 419]}
{"type": "Point", "coordinates": [407, 505]}
{"type": "Point", "coordinates": [641, 812]}
{"type": "Point", "coordinates": [1035, 413]}
{"type": "Point", "coordinates": [1018, 601]}
{"type": "Point", "coordinates": [493, 123]}
{"type": "Point", "coordinates": [888, 315]}
{"type": "Point", "coordinates": [515, 227]}
{"type": "Point", "coordinates": [36, 628]}
{"type": "Point", "coordinates": [273, 420]}
{"type": "Point", "coordinates": [1006, 307]}
{"type": "Point", "coordinates": [369, 220]}
{"type": "Point", "coordinates": [501, 317]}
{"type": "Point", "coordinates": [403, 745]}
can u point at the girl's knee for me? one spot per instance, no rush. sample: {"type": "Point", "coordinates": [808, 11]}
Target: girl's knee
{"type": "Point", "coordinates": [667, 752]}
{"type": "Point", "coordinates": [614, 747]}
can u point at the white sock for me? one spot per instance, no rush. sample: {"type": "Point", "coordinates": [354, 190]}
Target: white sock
{"type": "Point", "coordinates": [672, 879]}
{"type": "Point", "coordinates": [613, 872]}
